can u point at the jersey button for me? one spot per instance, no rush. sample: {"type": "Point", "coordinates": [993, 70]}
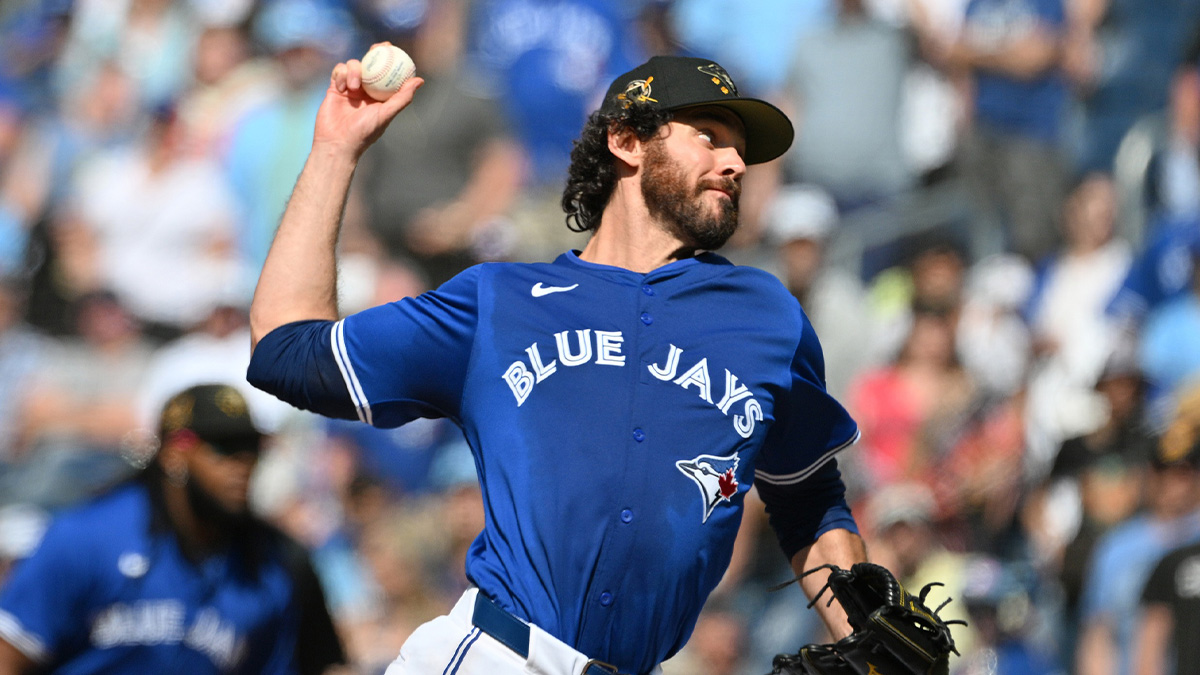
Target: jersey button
{"type": "Point", "coordinates": [647, 290]}
{"type": "Point", "coordinates": [647, 319]}
{"type": "Point", "coordinates": [639, 435]}
{"type": "Point", "coordinates": [626, 516]}
{"type": "Point", "coordinates": [606, 598]}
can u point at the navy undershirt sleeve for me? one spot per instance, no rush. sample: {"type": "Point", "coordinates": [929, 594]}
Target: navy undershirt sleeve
{"type": "Point", "coordinates": [802, 512]}
{"type": "Point", "coordinates": [295, 363]}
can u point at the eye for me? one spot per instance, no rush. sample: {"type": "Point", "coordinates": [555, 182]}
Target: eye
{"type": "Point", "coordinates": [706, 136]}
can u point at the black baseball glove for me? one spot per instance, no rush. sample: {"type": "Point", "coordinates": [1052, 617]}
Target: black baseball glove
{"type": "Point", "coordinates": [894, 632]}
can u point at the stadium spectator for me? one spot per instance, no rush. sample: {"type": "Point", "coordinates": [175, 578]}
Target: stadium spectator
{"type": "Point", "coordinates": [1166, 636]}
{"type": "Point", "coordinates": [269, 142]}
{"type": "Point", "coordinates": [800, 221]}
{"type": "Point", "coordinates": [1012, 151]}
{"type": "Point", "coordinates": [910, 409]}
{"type": "Point", "coordinates": [1170, 350]}
{"type": "Point", "coordinates": [78, 412]}
{"type": "Point", "coordinates": [1004, 618]}
{"type": "Point", "coordinates": [228, 80]}
{"type": "Point", "coordinates": [461, 168]}
{"type": "Point", "coordinates": [148, 41]}
{"type": "Point", "coordinates": [845, 83]}
{"type": "Point", "coordinates": [1072, 335]}
{"type": "Point", "coordinates": [1125, 556]}
{"type": "Point", "coordinates": [548, 62]}
{"type": "Point", "coordinates": [1120, 56]}
{"type": "Point", "coordinates": [1095, 483]}
{"type": "Point", "coordinates": [155, 227]}
{"type": "Point", "coordinates": [22, 355]}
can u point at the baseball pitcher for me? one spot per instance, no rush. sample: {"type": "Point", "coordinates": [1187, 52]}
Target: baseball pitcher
{"type": "Point", "coordinates": [619, 401]}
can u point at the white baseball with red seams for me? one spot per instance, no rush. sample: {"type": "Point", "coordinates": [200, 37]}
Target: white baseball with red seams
{"type": "Point", "coordinates": [384, 69]}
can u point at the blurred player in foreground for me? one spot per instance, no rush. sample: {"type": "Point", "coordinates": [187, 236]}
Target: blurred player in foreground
{"type": "Point", "coordinates": [618, 401]}
{"type": "Point", "coordinates": [169, 572]}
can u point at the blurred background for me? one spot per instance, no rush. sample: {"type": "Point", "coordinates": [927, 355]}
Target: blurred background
{"type": "Point", "coordinates": [991, 214]}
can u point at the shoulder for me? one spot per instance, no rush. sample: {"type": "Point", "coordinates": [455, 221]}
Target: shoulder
{"type": "Point", "coordinates": [1123, 540]}
{"type": "Point", "coordinates": [106, 522]}
{"type": "Point", "coordinates": [767, 300]}
{"type": "Point", "coordinates": [1189, 555]}
{"type": "Point", "coordinates": [112, 509]}
{"type": "Point", "coordinates": [1171, 312]}
{"type": "Point", "coordinates": [749, 279]}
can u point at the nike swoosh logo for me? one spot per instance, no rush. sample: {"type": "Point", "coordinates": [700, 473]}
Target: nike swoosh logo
{"type": "Point", "coordinates": [539, 290]}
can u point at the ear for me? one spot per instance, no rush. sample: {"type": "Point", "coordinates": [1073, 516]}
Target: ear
{"type": "Point", "coordinates": [625, 145]}
{"type": "Point", "coordinates": [176, 448]}
{"type": "Point", "coordinates": [173, 461]}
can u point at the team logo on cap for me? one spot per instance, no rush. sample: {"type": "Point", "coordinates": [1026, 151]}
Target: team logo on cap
{"type": "Point", "coordinates": [178, 414]}
{"type": "Point", "coordinates": [231, 402]}
{"type": "Point", "coordinates": [719, 77]}
{"type": "Point", "coordinates": [637, 90]}
{"type": "Point", "coordinates": [715, 476]}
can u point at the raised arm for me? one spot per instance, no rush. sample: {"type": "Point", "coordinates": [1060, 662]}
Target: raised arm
{"type": "Point", "coordinates": [298, 280]}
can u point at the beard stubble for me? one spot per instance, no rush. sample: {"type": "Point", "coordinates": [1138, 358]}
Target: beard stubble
{"type": "Point", "coordinates": [681, 207]}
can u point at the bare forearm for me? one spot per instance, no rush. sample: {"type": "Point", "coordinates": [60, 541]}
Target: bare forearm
{"type": "Point", "coordinates": [1153, 640]}
{"type": "Point", "coordinates": [1024, 59]}
{"type": "Point", "coordinates": [1095, 654]}
{"type": "Point", "coordinates": [837, 547]}
{"type": "Point", "coordinates": [299, 278]}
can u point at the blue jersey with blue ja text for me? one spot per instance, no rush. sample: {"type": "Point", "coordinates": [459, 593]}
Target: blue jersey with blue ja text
{"type": "Point", "coordinates": [617, 420]}
{"type": "Point", "coordinates": [109, 591]}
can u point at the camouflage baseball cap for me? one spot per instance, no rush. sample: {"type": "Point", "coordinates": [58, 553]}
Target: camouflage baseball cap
{"type": "Point", "coordinates": [216, 413]}
{"type": "Point", "coordinates": [678, 82]}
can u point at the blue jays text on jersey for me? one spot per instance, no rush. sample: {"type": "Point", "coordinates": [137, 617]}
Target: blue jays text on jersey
{"type": "Point", "coordinates": [608, 352]}
{"type": "Point", "coordinates": [616, 419]}
{"type": "Point", "coordinates": [109, 590]}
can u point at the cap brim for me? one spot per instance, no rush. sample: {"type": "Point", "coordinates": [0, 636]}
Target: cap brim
{"type": "Point", "coordinates": [769, 132]}
{"type": "Point", "coordinates": [236, 443]}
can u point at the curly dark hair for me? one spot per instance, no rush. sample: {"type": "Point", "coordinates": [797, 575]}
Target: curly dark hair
{"type": "Point", "coordinates": [592, 175]}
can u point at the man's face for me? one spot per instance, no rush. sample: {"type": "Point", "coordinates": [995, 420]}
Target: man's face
{"type": "Point", "coordinates": [691, 179]}
{"type": "Point", "coordinates": [220, 482]}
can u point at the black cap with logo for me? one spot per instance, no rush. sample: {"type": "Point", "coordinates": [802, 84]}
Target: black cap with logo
{"type": "Point", "coordinates": [216, 413]}
{"type": "Point", "coordinates": [677, 82]}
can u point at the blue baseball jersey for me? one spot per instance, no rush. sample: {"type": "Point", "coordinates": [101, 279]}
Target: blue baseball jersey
{"type": "Point", "coordinates": [617, 420]}
{"type": "Point", "coordinates": [108, 590]}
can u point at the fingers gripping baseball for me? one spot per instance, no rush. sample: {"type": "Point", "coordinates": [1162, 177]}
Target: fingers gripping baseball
{"type": "Point", "coordinates": [350, 118]}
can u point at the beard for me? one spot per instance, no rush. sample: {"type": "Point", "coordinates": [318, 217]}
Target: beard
{"type": "Point", "coordinates": [681, 207]}
{"type": "Point", "coordinates": [210, 510]}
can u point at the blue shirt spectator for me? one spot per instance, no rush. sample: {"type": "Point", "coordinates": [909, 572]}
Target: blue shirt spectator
{"type": "Point", "coordinates": [1025, 106]}
{"type": "Point", "coordinates": [550, 61]}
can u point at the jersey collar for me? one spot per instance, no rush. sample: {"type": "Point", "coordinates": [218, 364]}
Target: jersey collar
{"type": "Point", "coordinates": [704, 263]}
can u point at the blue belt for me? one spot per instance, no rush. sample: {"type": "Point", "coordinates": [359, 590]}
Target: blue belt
{"type": "Point", "coordinates": [513, 633]}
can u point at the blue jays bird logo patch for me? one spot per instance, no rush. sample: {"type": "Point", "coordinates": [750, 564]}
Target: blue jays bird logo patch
{"type": "Point", "coordinates": [715, 476]}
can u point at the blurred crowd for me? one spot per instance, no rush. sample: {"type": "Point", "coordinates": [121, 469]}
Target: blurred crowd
{"type": "Point", "coordinates": [991, 214]}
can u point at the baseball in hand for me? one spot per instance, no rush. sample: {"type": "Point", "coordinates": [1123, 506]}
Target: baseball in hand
{"type": "Point", "coordinates": [384, 69]}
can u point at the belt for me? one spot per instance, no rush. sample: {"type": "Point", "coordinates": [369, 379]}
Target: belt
{"type": "Point", "coordinates": [513, 633]}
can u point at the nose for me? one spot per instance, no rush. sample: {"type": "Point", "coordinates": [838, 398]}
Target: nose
{"type": "Point", "coordinates": [731, 164]}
